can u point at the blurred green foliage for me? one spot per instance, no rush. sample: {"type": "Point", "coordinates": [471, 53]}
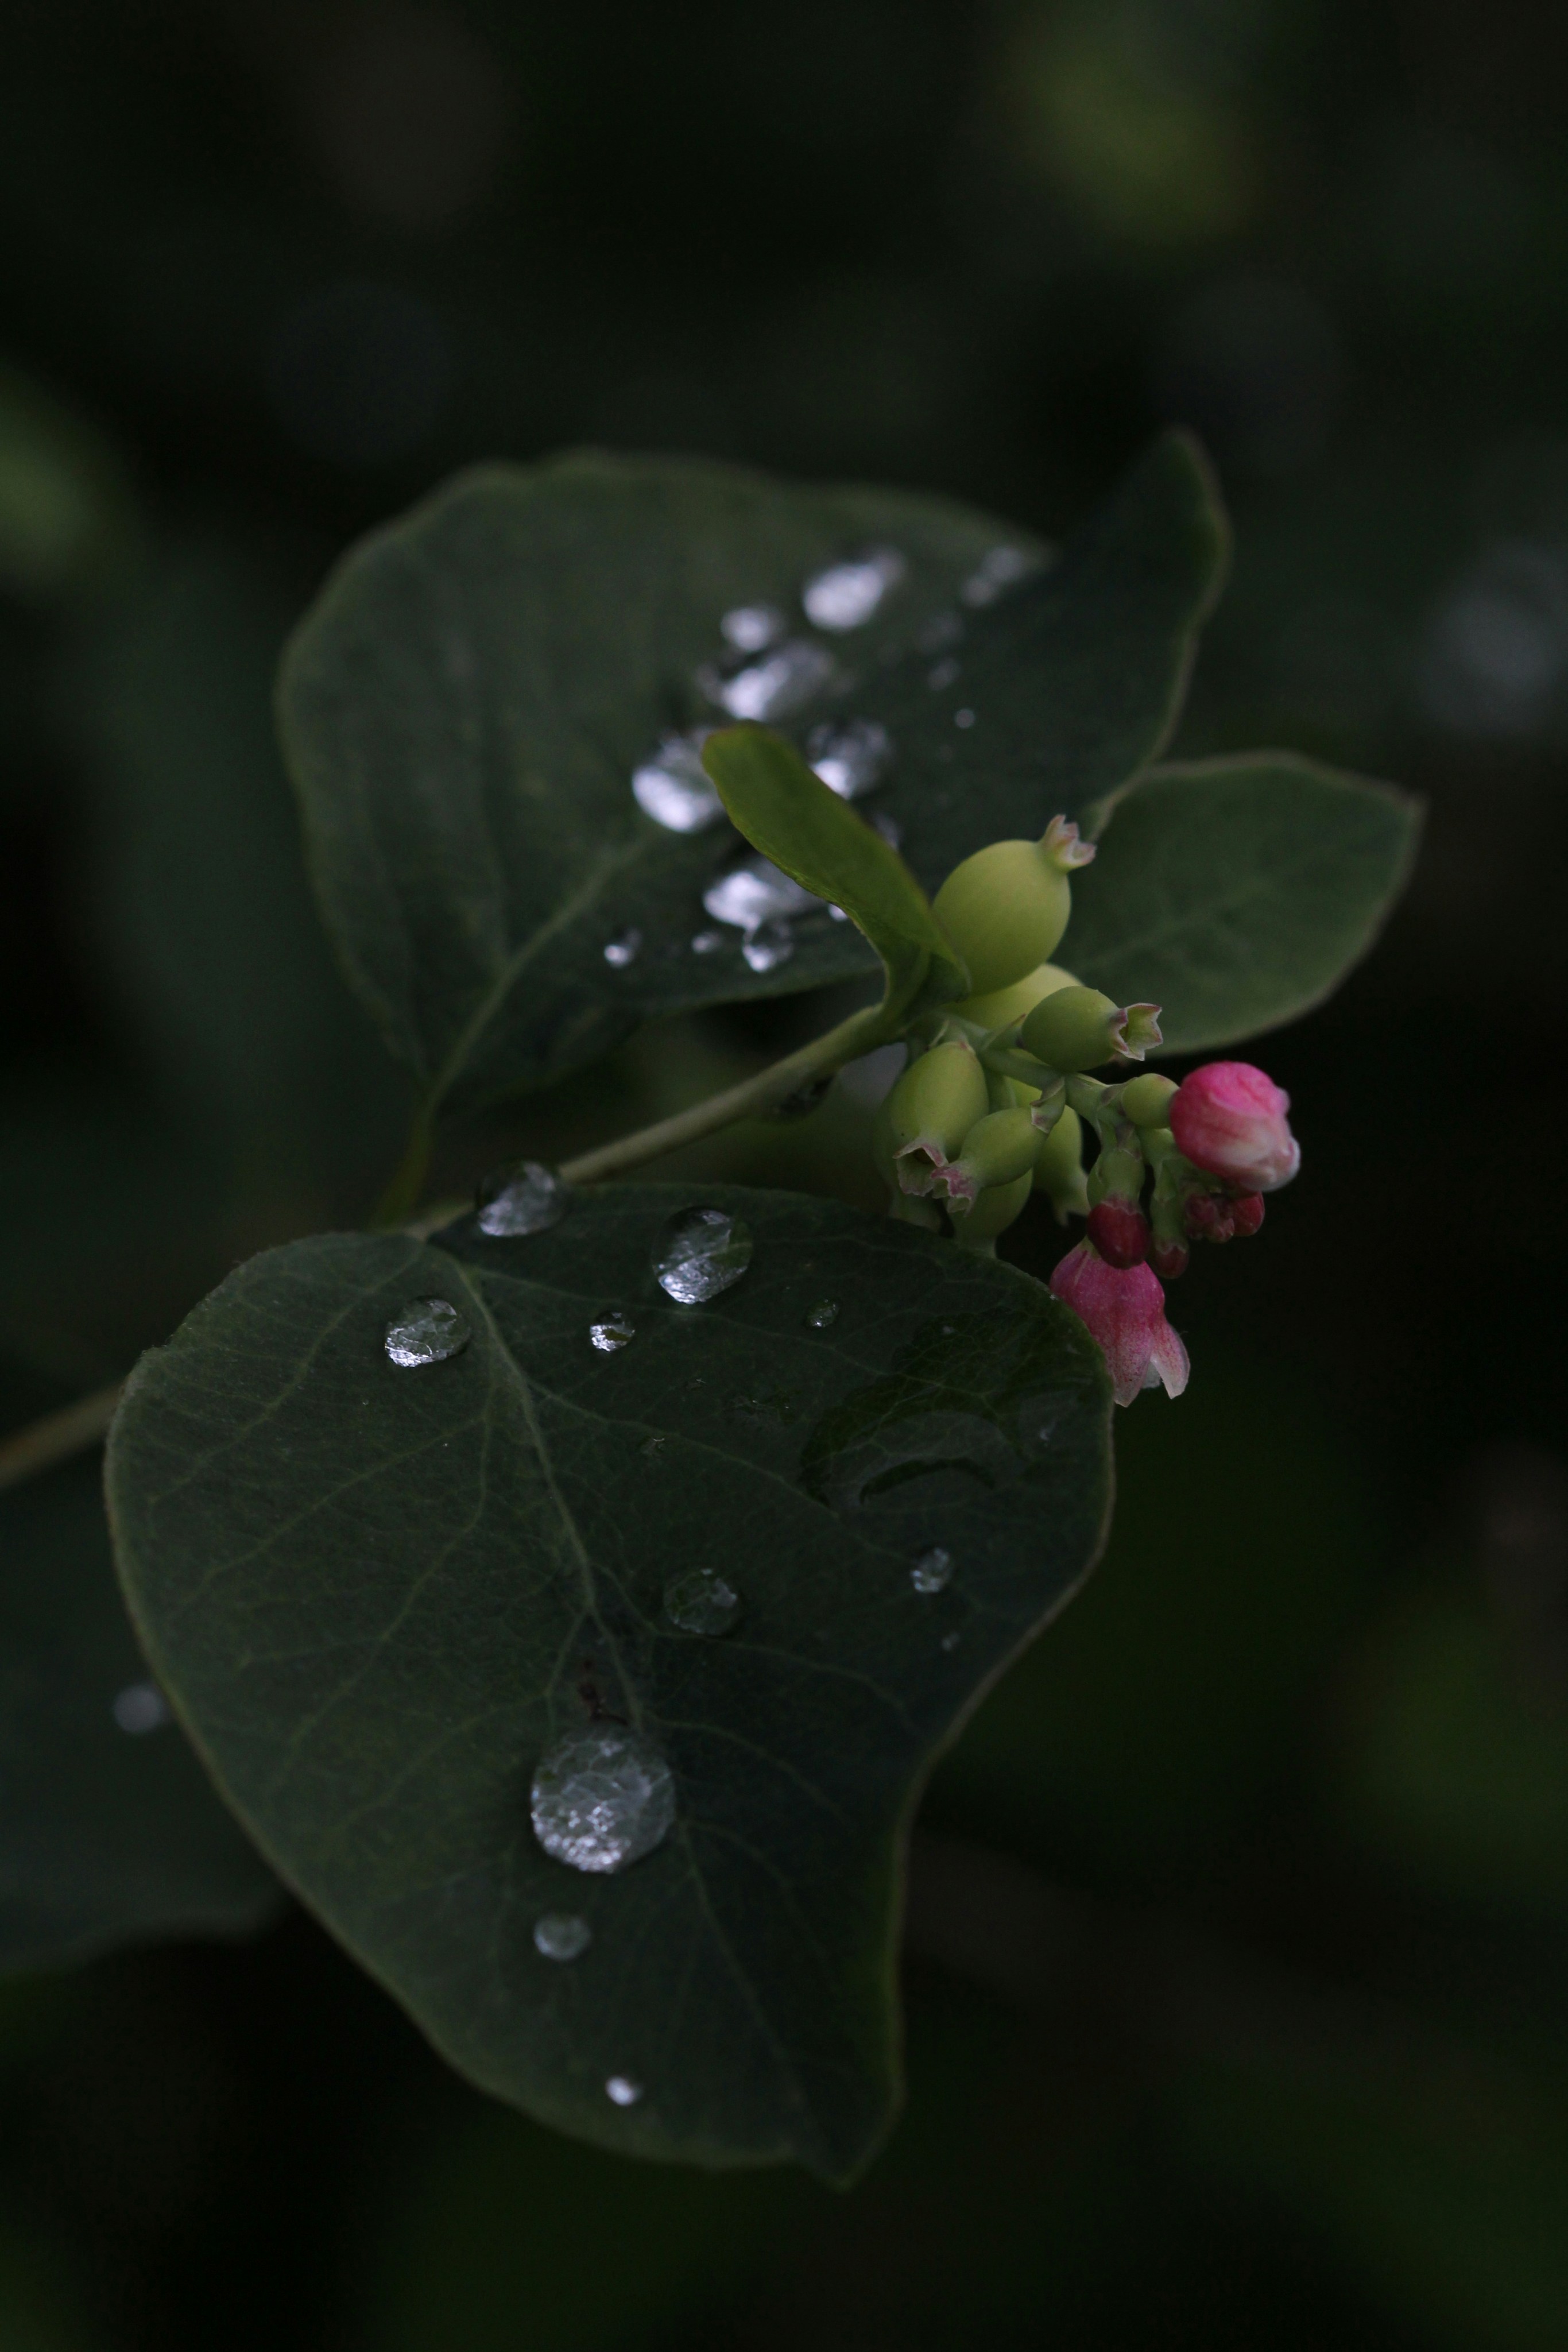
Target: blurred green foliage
{"type": "Point", "coordinates": [1237, 1980]}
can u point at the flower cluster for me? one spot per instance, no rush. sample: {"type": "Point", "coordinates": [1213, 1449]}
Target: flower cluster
{"type": "Point", "coordinates": [998, 1102]}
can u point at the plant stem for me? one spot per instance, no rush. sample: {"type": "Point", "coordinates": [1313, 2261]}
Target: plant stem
{"type": "Point", "coordinates": [58, 1436]}
{"type": "Point", "coordinates": [751, 1099]}
{"type": "Point", "coordinates": [397, 1203]}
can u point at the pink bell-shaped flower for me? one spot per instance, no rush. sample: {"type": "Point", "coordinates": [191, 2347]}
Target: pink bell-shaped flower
{"type": "Point", "coordinates": [1124, 1308]}
{"type": "Point", "coordinates": [1228, 1120]}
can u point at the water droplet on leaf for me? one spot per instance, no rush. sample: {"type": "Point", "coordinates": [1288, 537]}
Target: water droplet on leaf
{"type": "Point", "coordinates": [562, 1935]}
{"type": "Point", "coordinates": [702, 1252]}
{"type": "Point", "coordinates": [706, 943]}
{"type": "Point", "coordinates": [933, 1571]}
{"type": "Point", "coordinates": [780, 682]}
{"type": "Point", "coordinates": [625, 949]}
{"type": "Point", "coordinates": [428, 1331]}
{"type": "Point", "coordinates": [751, 627]}
{"type": "Point", "coordinates": [614, 1332]}
{"type": "Point", "coordinates": [849, 755]}
{"type": "Point", "coordinates": [822, 1315]}
{"type": "Point", "coordinates": [962, 719]}
{"type": "Point", "coordinates": [603, 1799]}
{"type": "Point", "coordinates": [755, 892]}
{"type": "Point", "coordinates": [998, 568]}
{"type": "Point", "coordinates": [623, 2090]}
{"type": "Point", "coordinates": [673, 787]}
{"type": "Point", "coordinates": [846, 595]}
{"type": "Point", "coordinates": [700, 1601]}
{"type": "Point", "coordinates": [523, 1198]}
{"type": "Point", "coordinates": [768, 945]}
{"type": "Point", "coordinates": [141, 1708]}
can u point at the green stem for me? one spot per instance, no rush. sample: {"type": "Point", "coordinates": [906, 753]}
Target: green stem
{"type": "Point", "coordinates": [751, 1099]}
{"type": "Point", "coordinates": [58, 1436]}
{"type": "Point", "coordinates": [397, 1204]}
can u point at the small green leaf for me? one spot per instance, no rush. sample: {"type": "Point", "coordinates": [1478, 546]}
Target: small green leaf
{"type": "Point", "coordinates": [1237, 893]}
{"type": "Point", "coordinates": [784, 810]}
{"type": "Point", "coordinates": [384, 1597]}
{"type": "Point", "coordinates": [464, 708]}
{"type": "Point", "coordinates": [109, 1832]}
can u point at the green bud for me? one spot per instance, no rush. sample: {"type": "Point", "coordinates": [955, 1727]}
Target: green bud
{"type": "Point", "coordinates": [992, 1213]}
{"type": "Point", "coordinates": [931, 1111]}
{"type": "Point", "coordinates": [1059, 1170]}
{"type": "Point", "coordinates": [1006, 1006]}
{"type": "Point", "coordinates": [1147, 1100]}
{"type": "Point", "coordinates": [1076, 1028]}
{"type": "Point", "coordinates": [1118, 1175]}
{"type": "Point", "coordinates": [997, 1149]}
{"type": "Point", "coordinates": [1006, 907]}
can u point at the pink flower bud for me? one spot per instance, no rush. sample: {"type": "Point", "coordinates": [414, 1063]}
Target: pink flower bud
{"type": "Point", "coordinates": [1210, 1218]}
{"type": "Point", "coordinates": [1247, 1215]}
{"type": "Point", "coordinates": [1229, 1120]}
{"type": "Point", "coordinates": [1124, 1309]}
{"type": "Point", "coordinates": [1119, 1232]}
{"type": "Point", "coordinates": [1169, 1259]}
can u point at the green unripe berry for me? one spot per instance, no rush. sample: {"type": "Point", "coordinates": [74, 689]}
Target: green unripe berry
{"type": "Point", "coordinates": [931, 1111]}
{"type": "Point", "coordinates": [1059, 1170]}
{"type": "Point", "coordinates": [1076, 1028]}
{"type": "Point", "coordinates": [1147, 1101]}
{"type": "Point", "coordinates": [1006, 1006]}
{"type": "Point", "coordinates": [1006, 907]}
{"type": "Point", "coordinates": [992, 1213]}
{"type": "Point", "coordinates": [997, 1149]}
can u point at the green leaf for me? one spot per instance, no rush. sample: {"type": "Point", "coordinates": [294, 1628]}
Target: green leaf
{"type": "Point", "coordinates": [463, 708]}
{"type": "Point", "coordinates": [784, 810]}
{"type": "Point", "coordinates": [381, 1596]}
{"type": "Point", "coordinates": [107, 1836]}
{"type": "Point", "coordinates": [1237, 893]}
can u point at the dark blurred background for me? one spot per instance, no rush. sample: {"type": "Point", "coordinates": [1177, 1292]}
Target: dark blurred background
{"type": "Point", "coordinates": [1238, 2010]}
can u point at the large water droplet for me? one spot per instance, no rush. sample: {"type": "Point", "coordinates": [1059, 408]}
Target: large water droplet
{"type": "Point", "coordinates": [616, 1330]}
{"type": "Point", "coordinates": [756, 892]}
{"type": "Point", "coordinates": [768, 945]}
{"type": "Point", "coordinates": [751, 627]}
{"type": "Point", "coordinates": [603, 1799]}
{"type": "Point", "coordinates": [701, 1253]}
{"type": "Point", "coordinates": [822, 1316]}
{"type": "Point", "coordinates": [846, 595]}
{"type": "Point", "coordinates": [700, 1601]}
{"type": "Point", "coordinates": [849, 755]}
{"type": "Point", "coordinates": [523, 1198]}
{"type": "Point", "coordinates": [673, 787]}
{"type": "Point", "coordinates": [140, 1708]}
{"type": "Point", "coordinates": [623, 2089]}
{"type": "Point", "coordinates": [624, 949]}
{"type": "Point", "coordinates": [780, 682]}
{"type": "Point", "coordinates": [933, 1571]}
{"type": "Point", "coordinates": [428, 1331]}
{"type": "Point", "coordinates": [998, 568]}
{"type": "Point", "coordinates": [561, 1935]}
{"type": "Point", "coordinates": [890, 1454]}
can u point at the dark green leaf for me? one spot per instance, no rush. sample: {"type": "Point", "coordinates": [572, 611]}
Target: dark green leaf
{"type": "Point", "coordinates": [464, 709]}
{"type": "Point", "coordinates": [382, 1595]}
{"type": "Point", "coordinates": [784, 809]}
{"type": "Point", "coordinates": [1237, 893]}
{"type": "Point", "coordinates": [107, 1835]}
